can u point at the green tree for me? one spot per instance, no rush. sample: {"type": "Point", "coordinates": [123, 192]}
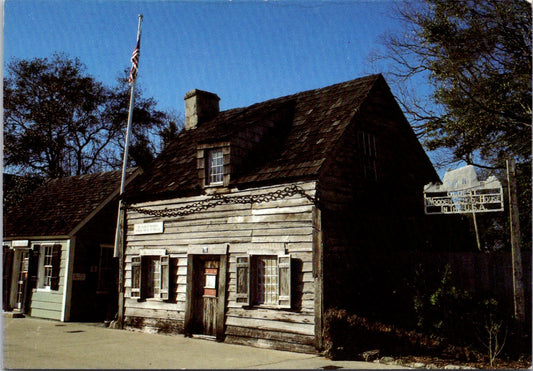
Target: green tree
{"type": "Point", "coordinates": [472, 59]}
{"type": "Point", "coordinates": [16, 189]}
{"type": "Point", "coordinates": [476, 55]}
{"type": "Point", "coordinates": [60, 121]}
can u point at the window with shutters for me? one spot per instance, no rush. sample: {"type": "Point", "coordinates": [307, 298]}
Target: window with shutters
{"type": "Point", "coordinates": [264, 280]}
{"type": "Point", "coordinates": [49, 266]}
{"type": "Point", "coordinates": [213, 163]}
{"type": "Point", "coordinates": [150, 277]}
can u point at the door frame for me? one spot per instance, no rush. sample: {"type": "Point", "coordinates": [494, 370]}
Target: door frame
{"type": "Point", "coordinates": [28, 283]}
{"type": "Point", "coordinates": [7, 271]}
{"type": "Point", "coordinates": [222, 294]}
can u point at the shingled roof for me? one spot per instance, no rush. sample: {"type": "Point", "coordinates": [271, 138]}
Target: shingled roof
{"type": "Point", "coordinates": [57, 207]}
{"type": "Point", "coordinates": [314, 121]}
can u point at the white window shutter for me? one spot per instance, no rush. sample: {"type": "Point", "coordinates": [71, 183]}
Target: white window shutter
{"type": "Point", "coordinates": [136, 277]}
{"type": "Point", "coordinates": [284, 281]}
{"type": "Point", "coordinates": [164, 278]}
{"type": "Point", "coordinates": [243, 281]}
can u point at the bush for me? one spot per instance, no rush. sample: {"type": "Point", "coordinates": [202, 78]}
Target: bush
{"type": "Point", "coordinates": [449, 322]}
{"type": "Point", "coordinates": [442, 310]}
{"type": "Point", "coordinates": [347, 336]}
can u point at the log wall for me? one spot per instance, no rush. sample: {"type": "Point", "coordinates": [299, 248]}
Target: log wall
{"type": "Point", "coordinates": [281, 225]}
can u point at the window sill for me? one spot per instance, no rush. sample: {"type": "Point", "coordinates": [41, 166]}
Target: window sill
{"type": "Point", "coordinates": [266, 306]}
{"type": "Point", "coordinates": [45, 289]}
{"type": "Point", "coordinates": [214, 185]}
{"type": "Point", "coordinates": [155, 300]}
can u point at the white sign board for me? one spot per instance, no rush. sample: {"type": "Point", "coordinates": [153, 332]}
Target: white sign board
{"type": "Point", "coordinates": [20, 243]}
{"type": "Point", "coordinates": [148, 228]}
{"type": "Point", "coordinates": [463, 193]}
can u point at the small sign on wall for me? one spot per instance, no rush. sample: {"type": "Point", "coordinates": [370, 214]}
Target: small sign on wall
{"type": "Point", "coordinates": [20, 243]}
{"type": "Point", "coordinates": [148, 228]}
{"type": "Point", "coordinates": [78, 276]}
{"type": "Point", "coordinates": [210, 286]}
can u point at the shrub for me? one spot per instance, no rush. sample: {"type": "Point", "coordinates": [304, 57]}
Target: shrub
{"type": "Point", "coordinates": [442, 310]}
{"type": "Point", "coordinates": [346, 336]}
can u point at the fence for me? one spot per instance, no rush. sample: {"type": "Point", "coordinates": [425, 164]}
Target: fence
{"type": "Point", "coordinates": [385, 282]}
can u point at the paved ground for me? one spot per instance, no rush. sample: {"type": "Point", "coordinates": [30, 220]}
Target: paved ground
{"type": "Point", "coordinates": [36, 343]}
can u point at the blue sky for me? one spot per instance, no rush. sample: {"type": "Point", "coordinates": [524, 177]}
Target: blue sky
{"type": "Point", "coordinates": [244, 51]}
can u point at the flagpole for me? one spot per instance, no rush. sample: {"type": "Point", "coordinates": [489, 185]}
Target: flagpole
{"type": "Point", "coordinates": [118, 231]}
{"type": "Point", "coordinates": [119, 238]}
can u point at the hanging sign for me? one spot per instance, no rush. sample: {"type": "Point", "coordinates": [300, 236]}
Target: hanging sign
{"type": "Point", "coordinates": [463, 193]}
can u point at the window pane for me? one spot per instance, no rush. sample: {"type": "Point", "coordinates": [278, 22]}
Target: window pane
{"type": "Point", "coordinates": [154, 282]}
{"type": "Point", "coordinates": [215, 166]}
{"type": "Point", "coordinates": [267, 280]}
{"type": "Point", "coordinates": [47, 265]}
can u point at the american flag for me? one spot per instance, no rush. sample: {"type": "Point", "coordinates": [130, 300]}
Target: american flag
{"type": "Point", "coordinates": [135, 60]}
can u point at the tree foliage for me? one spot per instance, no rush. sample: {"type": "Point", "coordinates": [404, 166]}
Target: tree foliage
{"type": "Point", "coordinates": [60, 121]}
{"type": "Point", "coordinates": [476, 55]}
{"type": "Point", "coordinates": [463, 73]}
{"type": "Point", "coordinates": [16, 189]}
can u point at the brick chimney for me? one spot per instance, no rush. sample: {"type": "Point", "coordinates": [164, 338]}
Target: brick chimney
{"type": "Point", "coordinates": [200, 106]}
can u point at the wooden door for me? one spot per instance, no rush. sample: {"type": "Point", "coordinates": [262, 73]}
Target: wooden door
{"type": "Point", "coordinates": [207, 299]}
{"type": "Point", "coordinates": [31, 283]}
{"type": "Point", "coordinates": [22, 280]}
{"type": "Point", "coordinates": [206, 295]}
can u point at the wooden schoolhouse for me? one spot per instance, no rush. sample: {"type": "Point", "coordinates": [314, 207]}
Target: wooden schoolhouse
{"type": "Point", "coordinates": [58, 249]}
{"type": "Point", "coordinates": [246, 227]}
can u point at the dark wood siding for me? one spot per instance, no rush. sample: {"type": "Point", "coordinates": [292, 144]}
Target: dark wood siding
{"type": "Point", "coordinates": [363, 216]}
{"type": "Point", "coordinates": [88, 303]}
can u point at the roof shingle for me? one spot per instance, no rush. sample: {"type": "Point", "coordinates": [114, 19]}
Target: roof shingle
{"type": "Point", "coordinates": [315, 119]}
{"type": "Point", "coordinates": [59, 205]}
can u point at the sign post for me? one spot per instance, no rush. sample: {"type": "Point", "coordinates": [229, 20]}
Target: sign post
{"type": "Point", "coordinates": [516, 254]}
{"type": "Point", "coordinates": [463, 193]}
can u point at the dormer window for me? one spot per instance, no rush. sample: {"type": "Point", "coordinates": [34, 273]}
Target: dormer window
{"type": "Point", "coordinates": [215, 166]}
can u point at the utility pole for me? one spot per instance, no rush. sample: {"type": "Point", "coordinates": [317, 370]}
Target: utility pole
{"type": "Point", "coordinates": [516, 254]}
